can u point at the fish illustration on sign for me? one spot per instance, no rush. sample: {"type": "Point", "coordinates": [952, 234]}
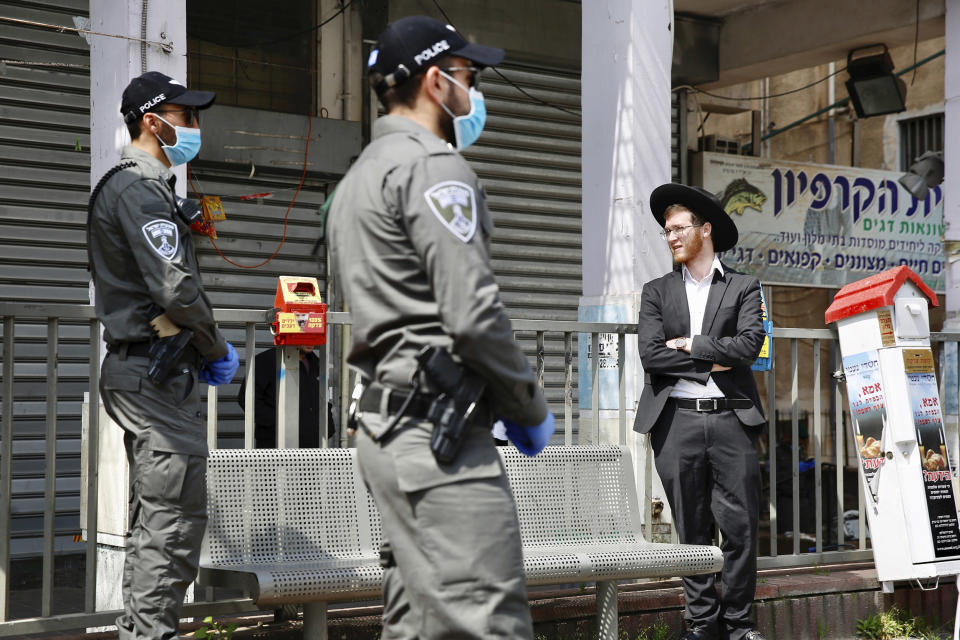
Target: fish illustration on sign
{"type": "Point", "coordinates": [740, 195]}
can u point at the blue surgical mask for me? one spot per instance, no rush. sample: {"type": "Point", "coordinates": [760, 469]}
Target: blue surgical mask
{"type": "Point", "coordinates": [467, 128]}
{"type": "Point", "coordinates": [186, 148]}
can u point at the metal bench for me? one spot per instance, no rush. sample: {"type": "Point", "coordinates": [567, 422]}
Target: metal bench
{"type": "Point", "coordinates": [298, 526]}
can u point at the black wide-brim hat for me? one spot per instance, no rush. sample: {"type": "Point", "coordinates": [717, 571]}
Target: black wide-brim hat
{"type": "Point", "coordinates": [701, 202]}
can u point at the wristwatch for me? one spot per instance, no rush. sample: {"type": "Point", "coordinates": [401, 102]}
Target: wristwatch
{"type": "Point", "coordinates": [680, 343]}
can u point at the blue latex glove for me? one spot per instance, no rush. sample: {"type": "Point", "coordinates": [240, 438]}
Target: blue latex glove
{"type": "Point", "coordinates": [220, 371]}
{"type": "Point", "coordinates": [806, 465]}
{"type": "Point", "coordinates": [530, 440]}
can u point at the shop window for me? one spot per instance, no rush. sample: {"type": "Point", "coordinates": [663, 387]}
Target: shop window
{"type": "Point", "coordinates": [253, 54]}
{"type": "Point", "coordinates": [919, 135]}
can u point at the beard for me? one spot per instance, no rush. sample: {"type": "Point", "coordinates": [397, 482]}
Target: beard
{"type": "Point", "coordinates": [446, 126]}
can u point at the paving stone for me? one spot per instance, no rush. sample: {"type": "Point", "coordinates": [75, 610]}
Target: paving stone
{"type": "Point", "coordinates": [798, 616]}
{"type": "Point", "coordinates": [782, 625]}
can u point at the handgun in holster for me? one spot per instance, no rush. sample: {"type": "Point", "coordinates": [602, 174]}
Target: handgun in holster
{"type": "Point", "coordinates": [450, 412]}
{"type": "Point", "coordinates": [166, 348]}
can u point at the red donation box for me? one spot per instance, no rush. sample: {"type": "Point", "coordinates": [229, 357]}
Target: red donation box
{"type": "Point", "coordinates": [301, 315]}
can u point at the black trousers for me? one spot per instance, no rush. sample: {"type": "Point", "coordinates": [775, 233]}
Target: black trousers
{"type": "Point", "coordinates": [708, 464]}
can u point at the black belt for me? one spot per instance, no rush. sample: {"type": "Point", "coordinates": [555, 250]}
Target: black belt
{"type": "Point", "coordinates": [712, 404]}
{"type": "Point", "coordinates": [419, 405]}
{"type": "Point", "coordinates": [140, 349]}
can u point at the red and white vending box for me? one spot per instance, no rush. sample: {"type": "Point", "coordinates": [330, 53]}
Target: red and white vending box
{"type": "Point", "coordinates": [897, 422]}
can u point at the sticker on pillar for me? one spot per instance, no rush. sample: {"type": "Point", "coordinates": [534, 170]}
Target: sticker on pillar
{"type": "Point", "coordinates": [868, 412]}
{"type": "Point", "coordinates": [935, 465]}
{"type": "Point", "coordinates": [887, 338]}
{"type": "Point", "coordinates": [609, 361]}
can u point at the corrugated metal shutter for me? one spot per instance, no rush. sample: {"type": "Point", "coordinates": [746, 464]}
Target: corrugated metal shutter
{"type": "Point", "coordinates": [44, 186]}
{"type": "Point", "coordinates": [528, 160]}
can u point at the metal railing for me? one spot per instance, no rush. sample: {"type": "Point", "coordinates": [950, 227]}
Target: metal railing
{"type": "Point", "coordinates": [564, 400]}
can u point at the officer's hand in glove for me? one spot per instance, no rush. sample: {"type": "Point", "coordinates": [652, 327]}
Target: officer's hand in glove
{"type": "Point", "coordinates": [221, 371]}
{"type": "Point", "coordinates": [530, 440]}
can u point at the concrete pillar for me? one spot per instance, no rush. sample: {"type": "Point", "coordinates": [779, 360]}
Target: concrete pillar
{"type": "Point", "coordinates": [626, 59]}
{"type": "Point", "coordinates": [339, 62]}
{"type": "Point", "coordinates": [113, 62]}
{"type": "Point", "coordinates": [951, 221]}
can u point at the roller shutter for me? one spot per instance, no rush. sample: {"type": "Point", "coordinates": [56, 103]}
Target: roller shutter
{"type": "Point", "coordinates": [528, 160]}
{"type": "Point", "coordinates": [44, 186]}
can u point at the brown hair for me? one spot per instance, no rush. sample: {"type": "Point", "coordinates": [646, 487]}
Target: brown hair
{"type": "Point", "coordinates": [682, 207]}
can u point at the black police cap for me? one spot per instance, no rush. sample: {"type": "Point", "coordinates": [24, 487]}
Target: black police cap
{"type": "Point", "coordinates": [152, 88]}
{"type": "Point", "coordinates": [410, 45]}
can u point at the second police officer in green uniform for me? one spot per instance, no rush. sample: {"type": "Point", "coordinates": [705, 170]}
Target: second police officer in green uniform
{"type": "Point", "coordinates": [143, 264]}
{"type": "Point", "coordinates": [409, 239]}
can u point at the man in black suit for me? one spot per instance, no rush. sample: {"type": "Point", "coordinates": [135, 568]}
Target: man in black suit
{"type": "Point", "coordinates": [699, 331]}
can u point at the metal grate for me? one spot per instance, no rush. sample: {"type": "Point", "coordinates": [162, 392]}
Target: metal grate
{"type": "Point", "coordinates": [919, 135]}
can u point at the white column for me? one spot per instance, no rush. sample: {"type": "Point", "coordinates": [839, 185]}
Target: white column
{"type": "Point", "coordinates": [113, 63]}
{"type": "Point", "coordinates": [951, 219]}
{"type": "Point", "coordinates": [951, 178]}
{"type": "Point", "coordinates": [626, 60]}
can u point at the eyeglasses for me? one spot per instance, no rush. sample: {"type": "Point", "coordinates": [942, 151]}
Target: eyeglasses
{"type": "Point", "coordinates": [678, 231]}
{"type": "Point", "coordinates": [474, 81]}
{"type": "Point", "coordinates": [193, 114]}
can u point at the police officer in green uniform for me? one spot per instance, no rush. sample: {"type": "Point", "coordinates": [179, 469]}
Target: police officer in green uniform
{"type": "Point", "coordinates": [409, 238]}
{"type": "Point", "coordinates": [143, 265]}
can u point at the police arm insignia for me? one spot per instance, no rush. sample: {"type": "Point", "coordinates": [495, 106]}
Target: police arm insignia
{"type": "Point", "coordinates": [455, 205]}
{"type": "Point", "coordinates": [163, 237]}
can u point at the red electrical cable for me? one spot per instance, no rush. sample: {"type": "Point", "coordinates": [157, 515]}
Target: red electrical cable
{"type": "Point", "coordinates": [303, 175]}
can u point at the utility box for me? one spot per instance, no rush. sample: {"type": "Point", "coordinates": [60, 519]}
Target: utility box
{"type": "Point", "coordinates": [897, 422]}
{"type": "Point", "coordinates": [301, 315]}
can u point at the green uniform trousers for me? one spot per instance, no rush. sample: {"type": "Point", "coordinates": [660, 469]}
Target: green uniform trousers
{"type": "Point", "coordinates": [168, 499]}
{"type": "Point", "coordinates": [454, 535]}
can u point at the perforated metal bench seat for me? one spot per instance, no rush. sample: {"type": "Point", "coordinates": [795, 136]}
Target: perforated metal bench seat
{"type": "Point", "coordinates": [298, 525]}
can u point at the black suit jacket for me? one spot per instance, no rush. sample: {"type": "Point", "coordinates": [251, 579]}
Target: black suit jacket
{"type": "Point", "coordinates": [732, 335]}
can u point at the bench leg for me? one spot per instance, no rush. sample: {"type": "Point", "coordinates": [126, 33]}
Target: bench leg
{"type": "Point", "coordinates": [315, 621]}
{"type": "Point", "coordinates": [607, 612]}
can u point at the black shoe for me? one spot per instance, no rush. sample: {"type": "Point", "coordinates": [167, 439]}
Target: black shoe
{"type": "Point", "coordinates": [701, 632]}
{"type": "Point", "coordinates": [753, 634]}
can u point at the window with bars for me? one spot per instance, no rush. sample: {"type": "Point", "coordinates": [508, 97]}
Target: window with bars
{"type": "Point", "coordinates": [919, 135]}
{"type": "Point", "coordinates": [253, 54]}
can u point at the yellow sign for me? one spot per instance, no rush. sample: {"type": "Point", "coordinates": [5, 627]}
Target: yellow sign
{"type": "Point", "coordinates": [918, 360]}
{"type": "Point", "coordinates": [887, 338]}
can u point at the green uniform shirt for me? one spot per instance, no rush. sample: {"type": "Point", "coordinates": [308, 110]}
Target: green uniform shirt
{"type": "Point", "coordinates": [409, 235]}
{"type": "Point", "coordinates": [142, 253]}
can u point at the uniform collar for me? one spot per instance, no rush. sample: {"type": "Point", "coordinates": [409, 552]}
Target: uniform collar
{"type": "Point", "coordinates": [385, 125]}
{"type": "Point", "coordinates": [715, 267]}
{"type": "Point", "coordinates": [151, 167]}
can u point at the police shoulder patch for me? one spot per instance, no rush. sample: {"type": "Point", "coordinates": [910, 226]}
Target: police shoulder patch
{"type": "Point", "coordinates": [455, 205]}
{"type": "Point", "coordinates": [163, 237]}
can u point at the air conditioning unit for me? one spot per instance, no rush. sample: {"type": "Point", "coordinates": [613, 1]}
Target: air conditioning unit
{"type": "Point", "coordinates": [718, 144]}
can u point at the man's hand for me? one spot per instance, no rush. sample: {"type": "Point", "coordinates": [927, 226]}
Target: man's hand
{"type": "Point", "coordinates": [718, 367]}
{"type": "Point", "coordinates": [221, 371]}
{"type": "Point", "coordinates": [530, 440]}
{"type": "Point", "coordinates": [680, 343]}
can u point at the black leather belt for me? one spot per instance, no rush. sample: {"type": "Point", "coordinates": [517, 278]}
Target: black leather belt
{"type": "Point", "coordinates": [140, 349]}
{"type": "Point", "coordinates": [712, 404]}
{"type": "Point", "coordinates": [370, 401]}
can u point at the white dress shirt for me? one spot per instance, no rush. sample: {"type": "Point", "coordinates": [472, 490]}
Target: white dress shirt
{"type": "Point", "coordinates": [697, 293]}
